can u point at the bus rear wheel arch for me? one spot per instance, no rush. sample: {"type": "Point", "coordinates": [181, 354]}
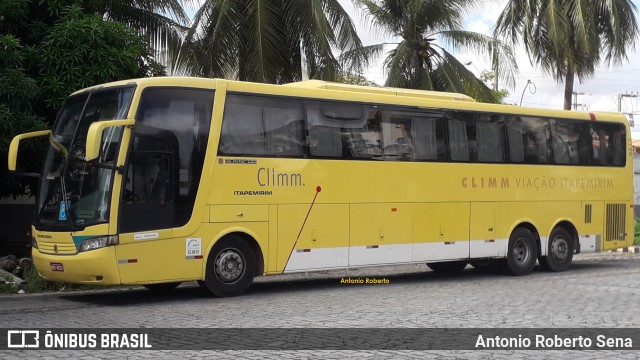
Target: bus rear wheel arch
{"type": "Point", "coordinates": [522, 252]}
{"type": "Point", "coordinates": [560, 249]}
{"type": "Point", "coordinates": [231, 266]}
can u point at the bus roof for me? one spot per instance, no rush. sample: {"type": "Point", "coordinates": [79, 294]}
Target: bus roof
{"type": "Point", "coordinates": [434, 95]}
{"type": "Point", "coordinates": [442, 99]}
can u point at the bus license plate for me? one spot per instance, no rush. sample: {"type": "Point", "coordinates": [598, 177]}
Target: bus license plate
{"type": "Point", "coordinates": [57, 267]}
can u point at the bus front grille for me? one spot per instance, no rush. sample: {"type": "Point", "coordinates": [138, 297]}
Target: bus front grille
{"type": "Point", "coordinates": [56, 248]}
{"type": "Point", "coordinates": [616, 222]}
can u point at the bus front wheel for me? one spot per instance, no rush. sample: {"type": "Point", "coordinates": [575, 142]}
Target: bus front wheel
{"type": "Point", "coordinates": [230, 267]}
{"type": "Point", "coordinates": [559, 251]}
{"type": "Point", "coordinates": [522, 252]}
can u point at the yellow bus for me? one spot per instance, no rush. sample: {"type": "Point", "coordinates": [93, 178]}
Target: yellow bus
{"type": "Point", "coordinates": [160, 181]}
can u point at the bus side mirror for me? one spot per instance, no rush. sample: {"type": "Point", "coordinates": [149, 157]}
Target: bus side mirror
{"type": "Point", "coordinates": [13, 147]}
{"type": "Point", "coordinates": [94, 136]}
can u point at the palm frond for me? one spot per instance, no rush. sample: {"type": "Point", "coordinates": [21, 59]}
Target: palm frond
{"type": "Point", "coordinates": [501, 54]}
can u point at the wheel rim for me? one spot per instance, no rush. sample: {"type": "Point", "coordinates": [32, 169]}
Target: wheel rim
{"type": "Point", "coordinates": [521, 251]}
{"type": "Point", "coordinates": [559, 248]}
{"type": "Point", "coordinates": [230, 265]}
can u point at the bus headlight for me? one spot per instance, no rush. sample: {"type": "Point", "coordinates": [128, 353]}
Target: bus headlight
{"type": "Point", "coordinates": [99, 242]}
{"type": "Point", "coordinates": [34, 242]}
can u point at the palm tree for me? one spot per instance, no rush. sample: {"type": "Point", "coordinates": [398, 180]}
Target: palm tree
{"type": "Point", "coordinates": [163, 21]}
{"type": "Point", "coordinates": [570, 37]}
{"type": "Point", "coordinates": [272, 41]}
{"type": "Point", "coordinates": [418, 61]}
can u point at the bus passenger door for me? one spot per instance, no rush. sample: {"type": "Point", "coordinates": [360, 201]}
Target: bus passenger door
{"type": "Point", "coordinates": [147, 208]}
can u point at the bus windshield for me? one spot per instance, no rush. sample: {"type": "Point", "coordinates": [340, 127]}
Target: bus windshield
{"type": "Point", "coordinates": [74, 193]}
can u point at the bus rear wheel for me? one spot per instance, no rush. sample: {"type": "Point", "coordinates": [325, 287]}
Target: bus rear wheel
{"type": "Point", "coordinates": [447, 266]}
{"type": "Point", "coordinates": [559, 251]}
{"type": "Point", "coordinates": [522, 252]}
{"type": "Point", "coordinates": [230, 267]}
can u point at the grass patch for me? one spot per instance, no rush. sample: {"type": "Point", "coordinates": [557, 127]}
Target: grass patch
{"type": "Point", "coordinates": [37, 284]}
{"type": "Point", "coordinates": [6, 287]}
{"type": "Point", "coordinates": [636, 237]}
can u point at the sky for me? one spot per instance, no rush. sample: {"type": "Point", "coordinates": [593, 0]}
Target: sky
{"type": "Point", "coordinates": [600, 92]}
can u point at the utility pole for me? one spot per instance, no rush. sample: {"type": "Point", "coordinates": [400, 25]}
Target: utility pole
{"type": "Point", "coordinates": [495, 64]}
{"type": "Point", "coordinates": [620, 97]}
{"type": "Point", "coordinates": [575, 99]}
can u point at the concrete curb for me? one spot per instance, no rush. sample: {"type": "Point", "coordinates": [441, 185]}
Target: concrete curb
{"type": "Point", "coordinates": [631, 249]}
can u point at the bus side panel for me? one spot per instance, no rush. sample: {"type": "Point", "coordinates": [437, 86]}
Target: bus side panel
{"type": "Point", "coordinates": [483, 230]}
{"type": "Point", "coordinates": [157, 260]}
{"type": "Point", "coordinates": [592, 228]}
{"type": "Point", "coordinates": [312, 237]}
{"type": "Point", "coordinates": [542, 215]}
{"type": "Point", "coordinates": [380, 234]}
{"type": "Point", "coordinates": [441, 232]}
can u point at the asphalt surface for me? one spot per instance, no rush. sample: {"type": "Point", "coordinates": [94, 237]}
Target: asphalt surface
{"type": "Point", "coordinates": [599, 291]}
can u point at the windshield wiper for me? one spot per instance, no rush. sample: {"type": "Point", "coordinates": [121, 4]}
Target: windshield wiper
{"type": "Point", "coordinates": [63, 170]}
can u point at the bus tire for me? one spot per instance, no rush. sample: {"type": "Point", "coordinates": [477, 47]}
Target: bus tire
{"type": "Point", "coordinates": [522, 252]}
{"type": "Point", "coordinates": [447, 266]}
{"type": "Point", "coordinates": [164, 287]}
{"type": "Point", "coordinates": [559, 251]}
{"type": "Point", "coordinates": [230, 267]}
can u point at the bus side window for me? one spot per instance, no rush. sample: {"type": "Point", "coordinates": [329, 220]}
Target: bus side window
{"type": "Point", "coordinates": [428, 143]}
{"type": "Point", "coordinates": [565, 142]}
{"type": "Point", "coordinates": [397, 142]}
{"type": "Point", "coordinates": [462, 143]}
{"type": "Point", "coordinates": [515, 140]}
{"type": "Point", "coordinates": [414, 135]}
{"type": "Point", "coordinates": [262, 126]}
{"type": "Point", "coordinates": [339, 129]}
{"type": "Point", "coordinates": [490, 138]}
{"type": "Point", "coordinates": [609, 140]}
{"type": "Point", "coordinates": [535, 139]}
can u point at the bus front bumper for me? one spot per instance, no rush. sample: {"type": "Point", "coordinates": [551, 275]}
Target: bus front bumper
{"type": "Point", "coordinates": [96, 267]}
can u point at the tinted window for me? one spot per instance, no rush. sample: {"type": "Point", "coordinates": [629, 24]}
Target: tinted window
{"type": "Point", "coordinates": [262, 126]}
{"type": "Point", "coordinates": [570, 143]}
{"type": "Point", "coordinates": [412, 135]}
{"type": "Point", "coordinates": [167, 156]}
{"type": "Point", "coordinates": [461, 131]}
{"type": "Point", "coordinates": [529, 140]}
{"type": "Point", "coordinates": [489, 135]}
{"type": "Point", "coordinates": [344, 130]}
{"type": "Point", "coordinates": [609, 142]}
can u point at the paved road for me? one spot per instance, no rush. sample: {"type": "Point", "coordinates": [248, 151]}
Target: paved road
{"type": "Point", "coordinates": [600, 290]}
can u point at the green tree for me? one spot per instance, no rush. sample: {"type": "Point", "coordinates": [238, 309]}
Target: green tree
{"type": "Point", "coordinates": [489, 77]}
{"type": "Point", "coordinates": [355, 79]}
{"type": "Point", "coordinates": [270, 41]}
{"type": "Point", "coordinates": [163, 22]}
{"type": "Point", "coordinates": [570, 37]}
{"type": "Point", "coordinates": [419, 61]}
{"type": "Point", "coordinates": [48, 51]}
{"type": "Point", "coordinates": [84, 50]}
{"type": "Point", "coordinates": [16, 115]}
